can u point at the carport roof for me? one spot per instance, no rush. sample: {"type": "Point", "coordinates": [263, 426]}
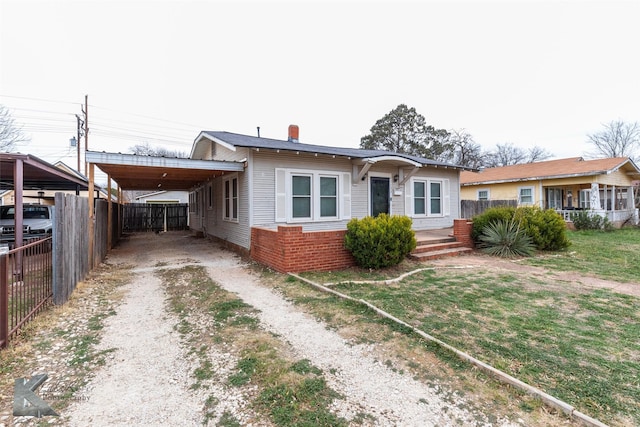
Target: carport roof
{"type": "Point", "coordinates": [37, 174]}
{"type": "Point", "coordinates": [139, 172]}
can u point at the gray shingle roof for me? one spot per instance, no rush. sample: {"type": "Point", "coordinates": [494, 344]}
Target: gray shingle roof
{"type": "Point", "coordinates": [239, 140]}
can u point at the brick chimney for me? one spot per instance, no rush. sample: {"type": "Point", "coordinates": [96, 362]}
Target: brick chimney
{"type": "Point", "coordinates": [293, 133]}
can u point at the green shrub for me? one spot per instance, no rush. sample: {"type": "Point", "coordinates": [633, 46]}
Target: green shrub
{"type": "Point", "coordinates": [545, 227]}
{"type": "Point", "coordinates": [506, 239]}
{"type": "Point", "coordinates": [380, 242]}
{"type": "Point", "coordinates": [583, 220]}
{"type": "Point", "coordinates": [501, 213]}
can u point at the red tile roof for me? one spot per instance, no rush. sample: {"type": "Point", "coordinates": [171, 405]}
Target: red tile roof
{"type": "Point", "coordinates": [561, 168]}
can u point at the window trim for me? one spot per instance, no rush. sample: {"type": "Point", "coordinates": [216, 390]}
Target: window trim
{"type": "Point", "coordinates": [284, 195]}
{"type": "Point", "coordinates": [230, 211]}
{"type": "Point", "coordinates": [428, 199]}
{"type": "Point", "coordinates": [487, 190]}
{"type": "Point", "coordinates": [533, 192]}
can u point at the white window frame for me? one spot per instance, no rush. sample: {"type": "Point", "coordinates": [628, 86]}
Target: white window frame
{"type": "Point", "coordinates": [310, 196]}
{"type": "Point", "coordinates": [584, 198]}
{"type": "Point", "coordinates": [228, 198]}
{"type": "Point", "coordinates": [210, 196]}
{"type": "Point", "coordinates": [284, 195]}
{"type": "Point", "coordinates": [444, 197]}
{"type": "Point", "coordinates": [533, 199]}
{"type": "Point", "coordinates": [486, 190]}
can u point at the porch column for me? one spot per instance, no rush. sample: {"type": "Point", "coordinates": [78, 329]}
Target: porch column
{"type": "Point", "coordinates": [595, 197]}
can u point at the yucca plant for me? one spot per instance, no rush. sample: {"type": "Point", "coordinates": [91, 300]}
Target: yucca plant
{"type": "Point", "coordinates": [505, 239]}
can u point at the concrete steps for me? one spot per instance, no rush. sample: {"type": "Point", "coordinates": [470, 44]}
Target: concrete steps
{"type": "Point", "coordinates": [429, 248]}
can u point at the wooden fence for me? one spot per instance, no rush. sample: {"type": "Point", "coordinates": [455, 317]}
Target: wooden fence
{"type": "Point", "coordinates": [155, 217]}
{"type": "Point", "coordinates": [471, 208]}
{"type": "Point", "coordinates": [33, 276]}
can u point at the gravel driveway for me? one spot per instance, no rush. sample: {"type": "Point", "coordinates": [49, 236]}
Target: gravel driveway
{"type": "Point", "coordinates": [146, 379]}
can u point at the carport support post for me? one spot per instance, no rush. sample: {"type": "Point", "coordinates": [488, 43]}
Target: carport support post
{"type": "Point", "coordinates": [110, 210]}
{"type": "Point", "coordinates": [91, 213]}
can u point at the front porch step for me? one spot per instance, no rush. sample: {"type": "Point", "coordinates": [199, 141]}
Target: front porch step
{"type": "Point", "coordinates": [440, 253]}
{"type": "Point", "coordinates": [430, 246]}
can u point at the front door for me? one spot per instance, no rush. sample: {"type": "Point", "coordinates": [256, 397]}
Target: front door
{"type": "Point", "coordinates": [379, 196]}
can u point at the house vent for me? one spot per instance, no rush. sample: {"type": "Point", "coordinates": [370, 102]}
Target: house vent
{"type": "Point", "coordinates": [293, 133]}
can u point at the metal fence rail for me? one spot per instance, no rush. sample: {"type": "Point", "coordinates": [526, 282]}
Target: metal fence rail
{"type": "Point", "coordinates": [26, 277]}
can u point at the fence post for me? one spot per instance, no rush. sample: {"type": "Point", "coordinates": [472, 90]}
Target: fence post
{"type": "Point", "coordinates": [4, 301]}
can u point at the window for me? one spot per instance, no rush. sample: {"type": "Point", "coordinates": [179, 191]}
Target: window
{"type": "Point", "coordinates": [301, 196]}
{"type": "Point", "coordinates": [483, 194]}
{"type": "Point", "coordinates": [584, 199]}
{"type": "Point", "coordinates": [210, 196]}
{"type": "Point", "coordinates": [554, 198]}
{"type": "Point", "coordinates": [230, 199]}
{"type": "Point", "coordinates": [328, 196]}
{"type": "Point", "coordinates": [307, 196]}
{"type": "Point", "coordinates": [428, 197]}
{"type": "Point", "coordinates": [420, 198]}
{"type": "Point", "coordinates": [193, 202]}
{"type": "Point", "coordinates": [525, 196]}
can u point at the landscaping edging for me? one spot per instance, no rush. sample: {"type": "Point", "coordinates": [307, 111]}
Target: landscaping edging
{"type": "Point", "coordinates": [546, 398]}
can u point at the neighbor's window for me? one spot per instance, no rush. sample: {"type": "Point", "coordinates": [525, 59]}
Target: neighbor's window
{"type": "Point", "coordinates": [301, 196]}
{"type": "Point", "coordinates": [525, 196]}
{"type": "Point", "coordinates": [483, 194]}
{"type": "Point", "coordinates": [584, 199]}
{"type": "Point", "coordinates": [328, 196]}
{"type": "Point", "coordinates": [230, 196]}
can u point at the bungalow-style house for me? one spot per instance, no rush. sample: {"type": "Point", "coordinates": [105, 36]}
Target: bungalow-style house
{"type": "Point", "coordinates": [290, 205]}
{"type": "Point", "coordinates": [602, 186]}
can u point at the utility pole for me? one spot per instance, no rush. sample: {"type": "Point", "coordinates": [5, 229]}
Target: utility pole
{"type": "Point", "coordinates": [86, 131]}
{"type": "Point", "coordinates": [80, 129]}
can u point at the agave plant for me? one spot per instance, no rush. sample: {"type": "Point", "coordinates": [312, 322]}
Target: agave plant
{"type": "Point", "coordinates": [505, 239]}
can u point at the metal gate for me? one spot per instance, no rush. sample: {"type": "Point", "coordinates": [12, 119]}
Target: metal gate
{"type": "Point", "coordinates": [155, 217]}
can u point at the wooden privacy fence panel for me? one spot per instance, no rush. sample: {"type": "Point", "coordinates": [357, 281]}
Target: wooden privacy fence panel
{"type": "Point", "coordinates": [70, 244]}
{"type": "Point", "coordinates": [471, 208]}
{"type": "Point", "coordinates": [155, 217]}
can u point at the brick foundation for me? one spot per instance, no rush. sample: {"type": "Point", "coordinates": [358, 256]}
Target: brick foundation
{"type": "Point", "coordinates": [462, 231]}
{"type": "Point", "coordinates": [289, 249]}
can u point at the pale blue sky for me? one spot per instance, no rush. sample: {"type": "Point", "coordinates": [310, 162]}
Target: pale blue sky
{"type": "Point", "coordinates": [525, 72]}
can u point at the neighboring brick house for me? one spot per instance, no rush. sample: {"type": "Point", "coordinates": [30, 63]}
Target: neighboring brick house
{"type": "Point", "coordinates": [601, 186]}
{"type": "Point", "coordinates": [290, 205]}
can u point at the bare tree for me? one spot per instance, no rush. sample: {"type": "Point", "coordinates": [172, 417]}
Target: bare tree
{"type": "Point", "coordinates": [464, 150]}
{"type": "Point", "coordinates": [508, 155]}
{"type": "Point", "coordinates": [537, 154]}
{"type": "Point", "coordinates": [10, 134]}
{"type": "Point", "coordinates": [147, 149]}
{"type": "Point", "coordinates": [617, 139]}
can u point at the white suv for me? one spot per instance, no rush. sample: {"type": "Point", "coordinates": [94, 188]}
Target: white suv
{"type": "Point", "coordinates": [37, 221]}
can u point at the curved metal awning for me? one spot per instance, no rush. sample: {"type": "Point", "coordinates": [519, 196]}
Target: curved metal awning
{"type": "Point", "coordinates": [135, 172]}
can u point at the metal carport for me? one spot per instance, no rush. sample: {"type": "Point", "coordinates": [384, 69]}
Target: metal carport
{"type": "Point", "coordinates": [140, 172]}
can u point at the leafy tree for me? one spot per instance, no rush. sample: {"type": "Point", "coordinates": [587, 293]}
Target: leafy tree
{"type": "Point", "coordinates": [147, 149]}
{"type": "Point", "coordinates": [617, 139]}
{"type": "Point", "coordinates": [10, 134]}
{"type": "Point", "coordinates": [403, 130]}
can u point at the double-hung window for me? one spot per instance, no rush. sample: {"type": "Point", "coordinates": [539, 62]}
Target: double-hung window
{"type": "Point", "coordinates": [428, 197]}
{"type": "Point", "coordinates": [309, 196]}
{"type": "Point", "coordinates": [301, 196]}
{"type": "Point", "coordinates": [525, 196]}
{"type": "Point", "coordinates": [483, 195]}
{"type": "Point", "coordinates": [328, 196]}
{"type": "Point", "coordinates": [230, 198]}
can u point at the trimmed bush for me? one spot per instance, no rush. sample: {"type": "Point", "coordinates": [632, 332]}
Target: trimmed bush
{"type": "Point", "coordinates": [583, 220]}
{"type": "Point", "coordinates": [545, 227]}
{"type": "Point", "coordinates": [380, 242]}
{"type": "Point", "coordinates": [505, 239]}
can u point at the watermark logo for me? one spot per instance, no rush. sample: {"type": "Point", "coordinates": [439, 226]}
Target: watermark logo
{"type": "Point", "coordinates": [26, 402]}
